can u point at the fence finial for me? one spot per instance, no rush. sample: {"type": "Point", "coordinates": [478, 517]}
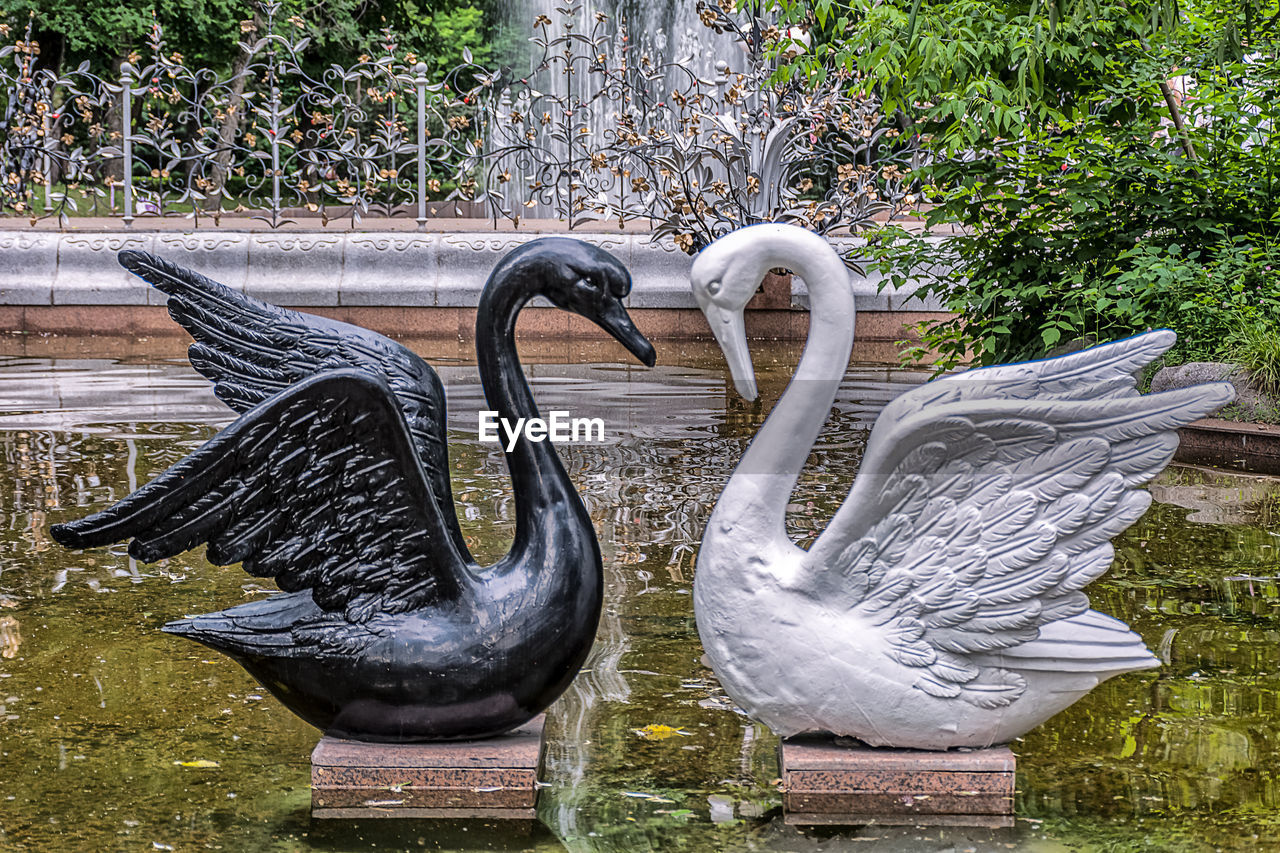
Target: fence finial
{"type": "Point", "coordinates": [420, 83]}
{"type": "Point", "coordinates": [127, 72]}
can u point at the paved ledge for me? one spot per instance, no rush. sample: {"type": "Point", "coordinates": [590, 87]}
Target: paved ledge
{"type": "Point", "coordinates": [300, 221]}
{"type": "Point", "coordinates": [438, 350]}
{"type": "Point", "coordinates": [345, 268]}
{"type": "Point", "coordinates": [61, 330]}
{"type": "Point", "coordinates": [1231, 444]}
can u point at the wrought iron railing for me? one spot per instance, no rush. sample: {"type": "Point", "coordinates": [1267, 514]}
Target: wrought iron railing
{"type": "Point", "coordinates": [268, 140]}
{"type": "Point", "coordinates": [603, 129]}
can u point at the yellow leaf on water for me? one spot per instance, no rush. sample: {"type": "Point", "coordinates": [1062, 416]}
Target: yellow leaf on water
{"type": "Point", "coordinates": [202, 763]}
{"type": "Point", "coordinates": [657, 731]}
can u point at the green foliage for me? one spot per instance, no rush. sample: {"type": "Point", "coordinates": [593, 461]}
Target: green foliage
{"type": "Point", "coordinates": [968, 71]}
{"type": "Point", "coordinates": [105, 31]}
{"type": "Point", "coordinates": [207, 32]}
{"type": "Point", "coordinates": [1216, 306]}
{"type": "Point", "coordinates": [1257, 350]}
{"type": "Point", "coordinates": [1088, 214]}
{"type": "Point", "coordinates": [1109, 230]}
{"type": "Point", "coordinates": [459, 29]}
{"type": "Point", "coordinates": [1218, 298]}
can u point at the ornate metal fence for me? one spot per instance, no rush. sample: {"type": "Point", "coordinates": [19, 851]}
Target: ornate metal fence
{"type": "Point", "coordinates": [603, 129]}
{"type": "Point", "coordinates": [269, 140]}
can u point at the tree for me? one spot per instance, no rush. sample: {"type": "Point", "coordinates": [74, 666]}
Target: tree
{"type": "Point", "coordinates": [206, 32]}
{"type": "Point", "coordinates": [1094, 206]}
{"type": "Point", "coordinates": [969, 71]}
{"type": "Point", "coordinates": [105, 32]}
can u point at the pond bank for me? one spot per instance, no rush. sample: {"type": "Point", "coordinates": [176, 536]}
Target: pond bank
{"type": "Point", "coordinates": [396, 282]}
{"type": "Point", "coordinates": [1235, 445]}
{"type": "Point", "coordinates": [113, 728]}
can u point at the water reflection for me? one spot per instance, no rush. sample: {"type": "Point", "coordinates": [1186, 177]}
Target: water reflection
{"type": "Point", "coordinates": [99, 712]}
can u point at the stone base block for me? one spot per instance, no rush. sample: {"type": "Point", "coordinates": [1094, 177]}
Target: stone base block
{"type": "Point", "coordinates": [830, 782]}
{"type": "Point", "coordinates": [493, 778]}
{"type": "Point", "coordinates": [969, 821]}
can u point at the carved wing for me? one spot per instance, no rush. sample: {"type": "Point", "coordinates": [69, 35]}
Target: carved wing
{"type": "Point", "coordinates": [319, 487]}
{"type": "Point", "coordinates": [252, 350]}
{"type": "Point", "coordinates": [987, 501]}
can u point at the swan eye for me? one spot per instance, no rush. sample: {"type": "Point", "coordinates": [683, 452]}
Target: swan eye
{"type": "Point", "coordinates": [713, 287]}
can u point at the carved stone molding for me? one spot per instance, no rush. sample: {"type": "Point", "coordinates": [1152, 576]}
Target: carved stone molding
{"type": "Point", "coordinates": [28, 264]}
{"type": "Point", "coordinates": [344, 268]}
{"type": "Point", "coordinates": [87, 272]}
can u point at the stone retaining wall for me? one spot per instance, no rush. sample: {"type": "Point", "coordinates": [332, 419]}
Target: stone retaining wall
{"type": "Point", "coordinates": [1231, 444]}
{"type": "Point", "coordinates": [52, 272]}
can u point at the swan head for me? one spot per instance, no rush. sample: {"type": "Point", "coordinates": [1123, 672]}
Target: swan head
{"type": "Point", "coordinates": [725, 275]}
{"type": "Point", "coordinates": [585, 279]}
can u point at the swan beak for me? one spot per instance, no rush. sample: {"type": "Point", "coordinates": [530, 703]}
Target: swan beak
{"type": "Point", "coordinates": [731, 334]}
{"type": "Point", "coordinates": [616, 321]}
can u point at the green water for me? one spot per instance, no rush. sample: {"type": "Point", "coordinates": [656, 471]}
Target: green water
{"type": "Point", "coordinates": [99, 711]}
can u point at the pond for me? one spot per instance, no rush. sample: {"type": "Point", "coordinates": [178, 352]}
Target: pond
{"type": "Point", "coordinates": [114, 736]}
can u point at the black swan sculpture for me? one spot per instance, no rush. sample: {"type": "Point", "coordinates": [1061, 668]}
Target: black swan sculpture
{"type": "Point", "coordinates": [334, 481]}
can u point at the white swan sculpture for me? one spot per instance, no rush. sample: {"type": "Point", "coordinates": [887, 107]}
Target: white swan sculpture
{"type": "Point", "coordinates": [942, 606]}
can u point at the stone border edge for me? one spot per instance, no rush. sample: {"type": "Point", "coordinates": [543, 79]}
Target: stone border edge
{"type": "Point", "coordinates": [351, 269]}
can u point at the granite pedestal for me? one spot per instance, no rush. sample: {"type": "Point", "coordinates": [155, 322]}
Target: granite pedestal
{"type": "Point", "coordinates": [492, 778]}
{"type": "Point", "coordinates": [825, 782]}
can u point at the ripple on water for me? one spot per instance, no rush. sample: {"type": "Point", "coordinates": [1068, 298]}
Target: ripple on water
{"type": "Point", "coordinates": [99, 711]}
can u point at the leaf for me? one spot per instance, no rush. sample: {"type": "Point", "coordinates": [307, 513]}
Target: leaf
{"type": "Point", "coordinates": [658, 731]}
{"type": "Point", "coordinates": [911, 21]}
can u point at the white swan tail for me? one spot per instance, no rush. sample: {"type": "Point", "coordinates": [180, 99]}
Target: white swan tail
{"type": "Point", "coordinates": [1089, 642]}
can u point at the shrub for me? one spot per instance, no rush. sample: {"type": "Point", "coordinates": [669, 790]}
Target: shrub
{"type": "Point", "coordinates": [1257, 350]}
{"type": "Point", "coordinates": [1095, 202]}
{"type": "Point", "coordinates": [1106, 228]}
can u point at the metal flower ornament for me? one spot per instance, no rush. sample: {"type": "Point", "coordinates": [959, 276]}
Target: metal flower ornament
{"type": "Point", "coordinates": [271, 138]}
{"type": "Point", "coordinates": [607, 129]}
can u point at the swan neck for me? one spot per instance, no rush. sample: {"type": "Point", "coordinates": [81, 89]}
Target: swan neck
{"type": "Point", "coordinates": [538, 478]}
{"type": "Point", "coordinates": [770, 468]}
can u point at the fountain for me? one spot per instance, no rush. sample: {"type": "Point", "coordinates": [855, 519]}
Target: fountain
{"type": "Point", "coordinates": [669, 115]}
